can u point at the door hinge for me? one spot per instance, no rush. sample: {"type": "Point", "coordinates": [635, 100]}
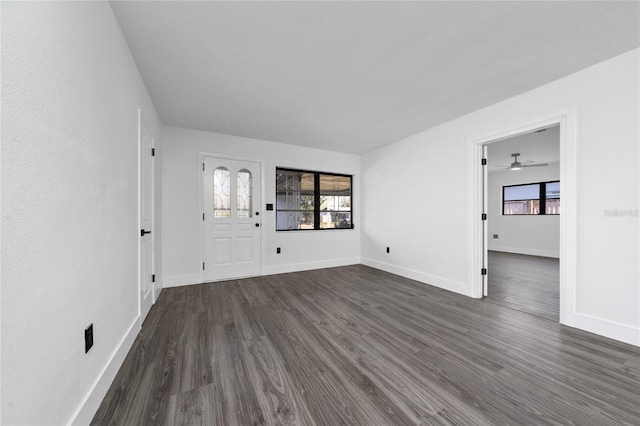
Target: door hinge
{"type": "Point", "coordinates": [202, 166]}
{"type": "Point", "coordinates": [484, 216]}
{"type": "Point", "coordinates": [153, 152]}
{"type": "Point", "coordinates": [483, 271]}
{"type": "Point", "coordinates": [484, 162]}
{"type": "Point", "coordinates": [203, 216]}
{"type": "Point", "coordinates": [153, 278]}
{"type": "Point", "coordinates": [203, 266]}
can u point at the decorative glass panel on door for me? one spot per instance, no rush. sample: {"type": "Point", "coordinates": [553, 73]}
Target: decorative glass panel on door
{"type": "Point", "coordinates": [221, 193]}
{"type": "Point", "coordinates": [244, 194]}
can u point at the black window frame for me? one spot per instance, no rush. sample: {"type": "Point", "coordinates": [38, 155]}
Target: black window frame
{"type": "Point", "coordinates": [542, 198]}
{"type": "Point", "coordinates": [316, 199]}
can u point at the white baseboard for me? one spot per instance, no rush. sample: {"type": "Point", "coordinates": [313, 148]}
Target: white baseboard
{"type": "Point", "coordinates": [307, 266]}
{"type": "Point", "coordinates": [530, 252]}
{"type": "Point", "coordinates": [87, 409]}
{"type": "Point", "coordinates": [180, 280]}
{"type": "Point", "coordinates": [454, 286]}
{"type": "Point", "coordinates": [603, 327]}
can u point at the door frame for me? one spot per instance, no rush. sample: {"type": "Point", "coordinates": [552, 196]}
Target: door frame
{"type": "Point", "coordinates": [201, 157]}
{"type": "Point", "coordinates": [567, 120]}
{"type": "Point", "coordinates": [143, 121]}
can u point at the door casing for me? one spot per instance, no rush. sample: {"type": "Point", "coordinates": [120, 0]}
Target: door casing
{"type": "Point", "coordinates": [478, 251]}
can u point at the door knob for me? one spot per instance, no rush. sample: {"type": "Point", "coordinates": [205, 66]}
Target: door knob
{"type": "Point", "coordinates": [257, 225]}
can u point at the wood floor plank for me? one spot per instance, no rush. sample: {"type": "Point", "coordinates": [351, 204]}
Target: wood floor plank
{"type": "Point", "coordinates": [526, 283]}
{"type": "Point", "coordinates": [358, 346]}
{"type": "Point", "coordinates": [280, 400]}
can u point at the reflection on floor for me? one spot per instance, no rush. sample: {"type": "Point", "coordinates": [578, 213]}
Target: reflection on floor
{"type": "Point", "coordinates": [525, 283]}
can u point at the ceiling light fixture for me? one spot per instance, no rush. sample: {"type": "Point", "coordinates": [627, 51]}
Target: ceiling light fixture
{"type": "Point", "coordinates": [516, 165]}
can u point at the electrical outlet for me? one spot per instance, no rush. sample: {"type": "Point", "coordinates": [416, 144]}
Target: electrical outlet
{"type": "Point", "coordinates": [495, 236]}
{"type": "Point", "coordinates": [387, 249]}
{"type": "Point", "coordinates": [88, 338]}
{"type": "Point", "coordinates": [278, 250]}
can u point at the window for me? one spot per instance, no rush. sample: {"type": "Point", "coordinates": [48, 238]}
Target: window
{"type": "Point", "coordinates": [295, 199]}
{"type": "Point", "coordinates": [312, 200]}
{"type": "Point", "coordinates": [552, 198]}
{"type": "Point", "coordinates": [531, 199]}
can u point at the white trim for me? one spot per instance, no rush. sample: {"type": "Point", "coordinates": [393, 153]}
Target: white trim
{"type": "Point", "coordinates": [154, 227]}
{"type": "Point", "coordinates": [91, 402]}
{"type": "Point", "coordinates": [434, 280]}
{"type": "Point", "coordinates": [139, 245]}
{"type": "Point", "coordinates": [607, 328]}
{"type": "Point", "coordinates": [191, 279]}
{"type": "Point", "coordinates": [181, 280]}
{"type": "Point", "coordinates": [568, 219]}
{"type": "Point", "coordinates": [527, 251]}
{"type": "Point", "coordinates": [307, 266]}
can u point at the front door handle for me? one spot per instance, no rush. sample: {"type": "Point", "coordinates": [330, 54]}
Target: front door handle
{"type": "Point", "coordinates": [143, 232]}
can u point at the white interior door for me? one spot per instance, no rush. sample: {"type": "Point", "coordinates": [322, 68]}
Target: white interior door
{"type": "Point", "coordinates": [146, 220]}
{"type": "Point", "coordinates": [485, 227]}
{"type": "Point", "coordinates": [231, 218]}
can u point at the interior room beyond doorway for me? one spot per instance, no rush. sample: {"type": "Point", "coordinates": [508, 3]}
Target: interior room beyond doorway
{"type": "Point", "coordinates": [523, 205]}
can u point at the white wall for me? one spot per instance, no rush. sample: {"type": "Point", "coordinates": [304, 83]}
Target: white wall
{"type": "Point", "coordinates": [181, 174]}
{"type": "Point", "coordinates": [426, 176]}
{"type": "Point", "coordinates": [70, 95]}
{"type": "Point", "coordinates": [535, 235]}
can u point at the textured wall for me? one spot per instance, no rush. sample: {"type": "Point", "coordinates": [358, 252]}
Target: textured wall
{"type": "Point", "coordinates": [70, 94]}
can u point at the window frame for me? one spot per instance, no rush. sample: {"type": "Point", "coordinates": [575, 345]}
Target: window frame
{"type": "Point", "coordinates": [316, 199]}
{"type": "Point", "coordinates": [542, 199]}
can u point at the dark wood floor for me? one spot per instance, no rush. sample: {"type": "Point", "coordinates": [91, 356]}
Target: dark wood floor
{"type": "Point", "coordinates": [529, 284]}
{"type": "Point", "coordinates": [355, 345]}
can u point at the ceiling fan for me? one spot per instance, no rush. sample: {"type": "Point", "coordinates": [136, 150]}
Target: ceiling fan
{"type": "Point", "coordinates": [517, 165]}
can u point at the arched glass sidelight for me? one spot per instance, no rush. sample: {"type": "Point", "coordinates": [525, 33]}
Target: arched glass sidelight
{"type": "Point", "coordinates": [221, 193]}
{"type": "Point", "coordinates": [244, 194]}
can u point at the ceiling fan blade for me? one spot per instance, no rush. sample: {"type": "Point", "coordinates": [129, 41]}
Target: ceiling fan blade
{"type": "Point", "coordinates": [536, 165]}
{"type": "Point", "coordinates": [499, 166]}
{"type": "Point", "coordinates": [527, 162]}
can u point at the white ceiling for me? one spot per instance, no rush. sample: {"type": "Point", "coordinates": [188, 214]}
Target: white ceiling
{"type": "Point", "coordinates": [353, 76]}
{"type": "Point", "coordinates": [540, 147]}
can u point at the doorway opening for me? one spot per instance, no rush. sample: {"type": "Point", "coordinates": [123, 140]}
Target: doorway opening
{"type": "Point", "coordinates": [481, 257]}
{"type": "Point", "coordinates": [523, 205]}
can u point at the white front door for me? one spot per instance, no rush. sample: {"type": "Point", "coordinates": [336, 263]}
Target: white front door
{"type": "Point", "coordinates": [231, 218]}
{"type": "Point", "coordinates": [146, 220]}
